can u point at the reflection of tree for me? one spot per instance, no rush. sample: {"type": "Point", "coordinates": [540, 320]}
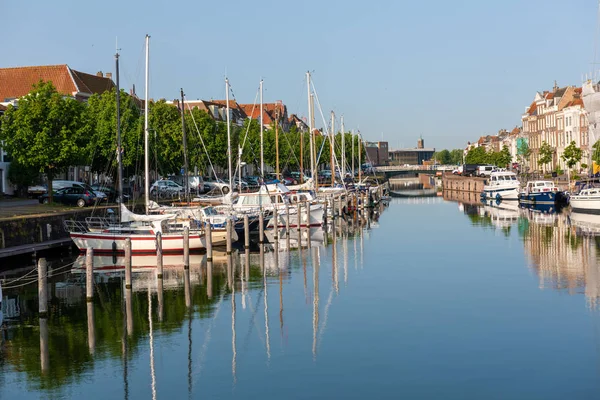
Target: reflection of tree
{"type": "Point", "coordinates": [68, 348]}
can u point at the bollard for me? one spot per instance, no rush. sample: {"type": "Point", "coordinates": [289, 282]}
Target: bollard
{"type": "Point", "coordinates": [43, 287]}
{"type": "Point", "coordinates": [159, 256]}
{"type": "Point", "coordinates": [261, 227]}
{"type": "Point", "coordinates": [246, 231]}
{"type": "Point", "coordinates": [186, 248]}
{"type": "Point", "coordinates": [228, 226]}
{"type": "Point", "coordinates": [127, 263]}
{"type": "Point", "coordinates": [287, 220]}
{"type": "Point", "coordinates": [89, 275]}
{"type": "Point", "coordinates": [276, 224]}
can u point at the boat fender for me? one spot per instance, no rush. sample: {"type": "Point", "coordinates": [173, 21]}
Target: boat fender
{"type": "Point", "coordinates": [498, 197]}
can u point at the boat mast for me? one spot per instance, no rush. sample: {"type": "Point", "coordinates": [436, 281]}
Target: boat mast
{"type": "Point", "coordinates": [313, 147]}
{"type": "Point", "coordinates": [119, 153]}
{"type": "Point", "coordinates": [359, 163]}
{"type": "Point", "coordinates": [262, 155]}
{"type": "Point", "coordinates": [186, 182]}
{"type": "Point", "coordinates": [343, 155]}
{"type": "Point", "coordinates": [332, 148]}
{"type": "Point", "coordinates": [352, 136]}
{"type": "Point", "coordinates": [228, 135]}
{"type": "Point", "coordinates": [310, 127]}
{"type": "Point", "coordinates": [301, 156]}
{"type": "Point", "coordinates": [276, 142]}
{"type": "Point", "coordinates": [146, 133]}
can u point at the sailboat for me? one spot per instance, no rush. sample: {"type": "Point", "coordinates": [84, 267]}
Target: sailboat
{"type": "Point", "coordinates": [110, 234]}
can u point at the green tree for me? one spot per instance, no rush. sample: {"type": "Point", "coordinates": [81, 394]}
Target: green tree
{"type": "Point", "coordinates": [100, 127]}
{"type": "Point", "coordinates": [43, 132]}
{"type": "Point", "coordinates": [523, 151]}
{"type": "Point", "coordinates": [456, 156]}
{"type": "Point", "coordinates": [571, 155]}
{"type": "Point", "coordinates": [504, 158]}
{"type": "Point", "coordinates": [477, 155]}
{"type": "Point", "coordinates": [546, 154]}
{"type": "Point", "coordinates": [443, 157]}
{"type": "Point", "coordinates": [22, 176]}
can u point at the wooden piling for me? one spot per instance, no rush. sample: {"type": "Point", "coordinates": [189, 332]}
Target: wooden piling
{"type": "Point", "coordinates": [261, 227]}
{"type": "Point", "coordinates": [229, 233]}
{"type": "Point", "coordinates": [340, 207]}
{"type": "Point", "coordinates": [325, 212]}
{"type": "Point", "coordinates": [307, 205]}
{"type": "Point", "coordinates": [276, 224]}
{"type": "Point", "coordinates": [208, 238]}
{"type": "Point", "coordinates": [43, 287]}
{"type": "Point", "coordinates": [186, 288]}
{"type": "Point", "coordinates": [298, 215]}
{"type": "Point", "coordinates": [44, 347]}
{"type": "Point", "coordinates": [186, 248]}
{"type": "Point", "coordinates": [159, 256]}
{"type": "Point", "coordinates": [287, 220]}
{"type": "Point", "coordinates": [246, 232]}
{"type": "Point", "coordinates": [89, 275]}
{"type": "Point", "coordinates": [333, 207]}
{"type": "Point", "coordinates": [91, 326]}
{"type": "Point", "coordinates": [127, 263]}
{"type": "Point", "coordinates": [160, 295]}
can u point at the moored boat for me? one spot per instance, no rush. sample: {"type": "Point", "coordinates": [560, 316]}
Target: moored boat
{"type": "Point", "coordinates": [502, 185]}
{"type": "Point", "coordinates": [543, 193]}
{"type": "Point", "coordinates": [586, 201]}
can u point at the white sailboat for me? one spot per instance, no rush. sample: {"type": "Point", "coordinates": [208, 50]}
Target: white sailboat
{"type": "Point", "coordinates": [109, 235]}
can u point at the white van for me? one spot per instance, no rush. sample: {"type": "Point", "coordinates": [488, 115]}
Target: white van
{"type": "Point", "coordinates": [485, 170]}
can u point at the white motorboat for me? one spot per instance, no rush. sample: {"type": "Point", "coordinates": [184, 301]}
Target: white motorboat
{"type": "Point", "coordinates": [502, 185]}
{"type": "Point", "coordinates": [586, 201]}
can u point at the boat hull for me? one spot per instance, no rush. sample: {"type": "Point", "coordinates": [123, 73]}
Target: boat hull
{"type": "Point", "coordinates": [544, 198]}
{"type": "Point", "coordinates": [585, 204]}
{"type": "Point", "coordinates": [501, 194]}
{"type": "Point", "coordinates": [140, 244]}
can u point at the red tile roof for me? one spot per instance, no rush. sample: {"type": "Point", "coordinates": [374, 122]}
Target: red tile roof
{"type": "Point", "coordinates": [17, 82]}
{"type": "Point", "coordinates": [532, 108]}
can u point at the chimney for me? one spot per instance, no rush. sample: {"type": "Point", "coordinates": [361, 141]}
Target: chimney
{"type": "Point", "coordinates": [108, 75]}
{"type": "Point", "coordinates": [99, 73]}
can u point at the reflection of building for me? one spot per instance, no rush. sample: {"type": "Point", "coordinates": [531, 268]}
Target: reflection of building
{"type": "Point", "coordinates": [562, 259]}
{"type": "Point", "coordinates": [411, 156]}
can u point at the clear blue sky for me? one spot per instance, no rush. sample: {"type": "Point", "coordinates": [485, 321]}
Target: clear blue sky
{"type": "Point", "coordinates": [447, 70]}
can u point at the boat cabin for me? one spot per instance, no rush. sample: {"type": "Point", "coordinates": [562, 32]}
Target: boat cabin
{"type": "Point", "coordinates": [541, 187]}
{"type": "Point", "coordinates": [503, 178]}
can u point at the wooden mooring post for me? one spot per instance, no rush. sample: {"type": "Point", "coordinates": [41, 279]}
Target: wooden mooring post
{"type": "Point", "coordinates": [208, 238]}
{"type": "Point", "coordinates": [186, 248]}
{"type": "Point", "coordinates": [276, 224]}
{"type": "Point", "coordinates": [89, 275]}
{"type": "Point", "coordinates": [261, 227]}
{"type": "Point", "coordinates": [229, 232]}
{"type": "Point", "coordinates": [128, 263]}
{"type": "Point", "coordinates": [43, 287]}
{"type": "Point", "coordinates": [287, 220]}
{"type": "Point", "coordinates": [246, 232]}
{"type": "Point", "coordinates": [159, 256]}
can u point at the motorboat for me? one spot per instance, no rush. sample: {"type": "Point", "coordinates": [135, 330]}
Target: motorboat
{"type": "Point", "coordinates": [502, 185]}
{"type": "Point", "coordinates": [585, 224]}
{"type": "Point", "coordinates": [543, 193]}
{"type": "Point", "coordinates": [586, 201]}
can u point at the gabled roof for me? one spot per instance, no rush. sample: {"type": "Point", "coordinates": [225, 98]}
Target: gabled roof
{"type": "Point", "coordinates": [532, 109]}
{"type": "Point", "coordinates": [17, 82]}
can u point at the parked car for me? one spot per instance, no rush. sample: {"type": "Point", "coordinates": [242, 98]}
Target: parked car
{"type": "Point", "coordinates": [36, 190]}
{"type": "Point", "coordinates": [109, 191]}
{"type": "Point", "coordinates": [59, 184]}
{"type": "Point", "coordinates": [195, 182]}
{"type": "Point", "coordinates": [165, 188]}
{"type": "Point", "coordinates": [217, 184]}
{"type": "Point", "coordinates": [76, 195]}
{"type": "Point", "coordinates": [253, 181]}
{"type": "Point", "coordinates": [486, 170]}
{"type": "Point", "coordinates": [296, 176]}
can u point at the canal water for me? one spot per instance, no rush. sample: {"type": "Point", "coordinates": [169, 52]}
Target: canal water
{"type": "Point", "coordinates": [430, 299]}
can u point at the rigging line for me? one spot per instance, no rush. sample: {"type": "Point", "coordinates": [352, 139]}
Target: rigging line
{"type": "Point", "coordinates": [246, 135]}
{"type": "Point", "coordinates": [201, 140]}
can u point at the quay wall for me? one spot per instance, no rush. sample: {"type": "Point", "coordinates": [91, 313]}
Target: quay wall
{"type": "Point", "coordinates": [37, 228]}
{"type": "Point", "coordinates": [459, 183]}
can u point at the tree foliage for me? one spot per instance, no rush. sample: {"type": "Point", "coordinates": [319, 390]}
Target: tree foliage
{"type": "Point", "coordinates": [572, 154]}
{"type": "Point", "coordinates": [546, 154]}
{"type": "Point", "coordinates": [44, 131]}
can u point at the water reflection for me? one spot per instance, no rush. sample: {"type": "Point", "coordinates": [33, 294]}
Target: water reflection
{"type": "Point", "coordinates": [562, 248]}
{"type": "Point", "coordinates": [123, 328]}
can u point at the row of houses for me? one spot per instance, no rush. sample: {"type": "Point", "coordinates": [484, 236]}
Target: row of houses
{"type": "Point", "coordinates": [18, 82]}
{"type": "Point", "coordinates": [557, 117]}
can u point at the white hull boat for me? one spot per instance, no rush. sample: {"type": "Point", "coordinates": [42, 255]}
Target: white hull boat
{"type": "Point", "coordinates": [503, 185]}
{"type": "Point", "coordinates": [586, 201]}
